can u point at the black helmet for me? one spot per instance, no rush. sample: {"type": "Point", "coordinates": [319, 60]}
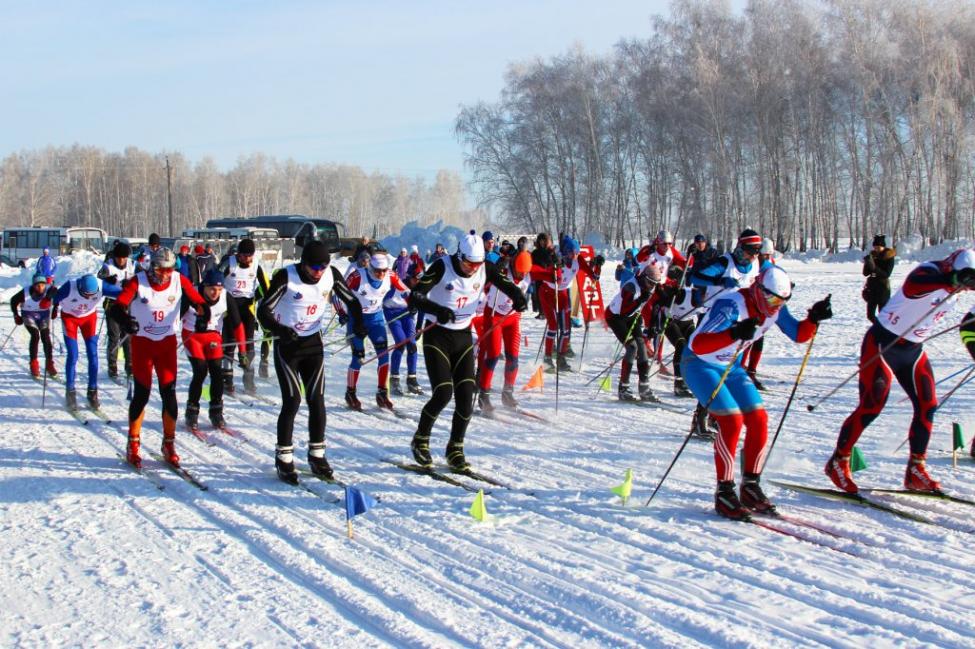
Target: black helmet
{"type": "Point", "coordinates": [315, 254]}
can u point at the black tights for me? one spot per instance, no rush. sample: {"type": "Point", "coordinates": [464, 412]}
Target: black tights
{"type": "Point", "coordinates": [201, 368]}
{"type": "Point", "coordinates": [42, 335]}
{"type": "Point", "coordinates": [449, 357]}
{"type": "Point", "coordinates": [301, 363]}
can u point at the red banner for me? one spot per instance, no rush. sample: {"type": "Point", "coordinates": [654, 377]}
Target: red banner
{"type": "Point", "coordinates": [590, 294]}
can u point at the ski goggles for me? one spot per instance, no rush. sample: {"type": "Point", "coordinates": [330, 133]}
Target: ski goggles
{"type": "Point", "coordinates": [772, 300]}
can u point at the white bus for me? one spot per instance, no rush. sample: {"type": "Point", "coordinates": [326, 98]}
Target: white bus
{"type": "Point", "coordinates": [27, 243]}
{"type": "Point", "coordinates": [224, 234]}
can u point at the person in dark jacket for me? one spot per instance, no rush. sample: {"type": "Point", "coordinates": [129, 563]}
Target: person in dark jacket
{"type": "Point", "coordinates": [700, 253]}
{"type": "Point", "coordinates": [878, 264]}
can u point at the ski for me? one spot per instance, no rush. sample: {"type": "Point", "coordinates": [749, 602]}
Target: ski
{"type": "Point", "coordinates": [938, 495]}
{"type": "Point", "coordinates": [100, 414]}
{"type": "Point", "coordinates": [434, 474]}
{"type": "Point", "coordinates": [857, 498]}
{"type": "Point", "coordinates": [331, 500]}
{"type": "Point", "coordinates": [787, 518]}
{"type": "Point", "coordinates": [200, 435]}
{"type": "Point", "coordinates": [78, 415]}
{"type": "Point", "coordinates": [154, 479]}
{"type": "Point", "coordinates": [180, 471]}
{"type": "Point", "coordinates": [526, 413]}
{"type": "Point", "coordinates": [661, 405]}
{"type": "Point", "coordinates": [800, 537]}
{"type": "Point", "coordinates": [332, 481]}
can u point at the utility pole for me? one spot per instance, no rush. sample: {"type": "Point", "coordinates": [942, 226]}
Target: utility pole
{"type": "Point", "coordinates": [169, 197]}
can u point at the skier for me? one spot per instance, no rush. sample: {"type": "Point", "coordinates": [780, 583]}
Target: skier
{"type": "Point", "coordinates": [148, 310]}
{"type": "Point", "coordinates": [679, 305]}
{"type": "Point", "coordinates": [46, 265]}
{"type": "Point", "coordinates": [115, 272]}
{"type": "Point", "coordinates": [732, 270]}
{"type": "Point", "coordinates": [928, 294]}
{"type": "Point", "coordinates": [968, 338]}
{"type": "Point", "coordinates": [448, 293]}
{"type": "Point", "coordinates": [662, 251]}
{"type": "Point", "coordinates": [79, 300]}
{"type": "Point", "coordinates": [738, 318]}
{"type": "Point", "coordinates": [293, 310]}
{"type": "Point", "coordinates": [878, 264]}
{"type": "Point", "coordinates": [753, 353]}
{"type": "Point", "coordinates": [561, 271]}
{"type": "Point", "coordinates": [502, 324]}
{"type": "Point", "coordinates": [402, 325]}
{"type": "Point", "coordinates": [34, 308]}
{"type": "Point", "coordinates": [245, 282]}
{"type": "Point", "coordinates": [370, 286]}
{"type": "Point", "coordinates": [623, 316]}
{"type": "Point", "coordinates": [700, 253]}
{"type": "Point", "coordinates": [202, 340]}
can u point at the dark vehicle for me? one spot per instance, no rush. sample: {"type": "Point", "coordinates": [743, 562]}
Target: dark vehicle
{"type": "Point", "coordinates": [289, 226]}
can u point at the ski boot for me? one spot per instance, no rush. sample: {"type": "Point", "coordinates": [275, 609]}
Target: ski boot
{"type": "Point", "coordinates": [420, 446]}
{"type": "Point", "coordinates": [972, 451]}
{"type": "Point", "coordinates": [264, 370]}
{"type": "Point", "coordinates": [484, 402]}
{"type": "Point", "coordinates": [352, 400]}
{"type": "Point", "coordinates": [284, 464]}
{"type": "Point", "coordinates": [93, 402]}
{"type": "Point", "coordinates": [568, 353]}
{"type": "Point", "coordinates": [752, 496]}
{"type": "Point", "coordinates": [113, 371]}
{"type": "Point", "coordinates": [726, 502]}
{"type": "Point", "coordinates": [228, 382]}
{"type": "Point", "coordinates": [681, 390]}
{"type": "Point", "coordinates": [563, 364]}
{"type": "Point", "coordinates": [646, 394]}
{"type": "Point", "coordinates": [395, 387]}
{"type": "Point", "coordinates": [455, 457]}
{"type": "Point", "coordinates": [216, 416]}
{"type": "Point", "coordinates": [71, 400]}
{"type": "Point", "coordinates": [35, 368]}
{"type": "Point", "coordinates": [701, 429]}
{"type": "Point", "coordinates": [916, 478]}
{"type": "Point", "coordinates": [549, 365]}
{"type": "Point", "coordinates": [412, 385]}
{"type": "Point", "coordinates": [132, 453]}
{"type": "Point", "coordinates": [168, 451]}
{"type": "Point", "coordinates": [382, 399]}
{"type": "Point", "coordinates": [758, 384]}
{"type": "Point", "coordinates": [508, 397]}
{"type": "Point", "coordinates": [624, 393]}
{"type": "Point", "coordinates": [838, 470]}
{"type": "Point", "coordinates": [317, 462]}
{"type": "Point", "coordinates": [192, 416]}
{"type": "Point", "coordinates": [49, 367]}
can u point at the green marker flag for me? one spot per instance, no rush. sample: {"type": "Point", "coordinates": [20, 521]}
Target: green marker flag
{"type": "Point", "coordinates": [478, 510]}
{"type": "Point", "coordinates": [958, 437]}
{"type": "Point", "coordinates": [857, 461]}
{"type": "Point", "coordinates": [607, 384]}
{"type": "Point", "coordinates": [205, 394]}
{"type": "Point", "coordinates": [624, 490]}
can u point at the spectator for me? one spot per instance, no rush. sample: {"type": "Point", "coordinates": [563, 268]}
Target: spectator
{"type": "Point", "coordinates": [46, 265]}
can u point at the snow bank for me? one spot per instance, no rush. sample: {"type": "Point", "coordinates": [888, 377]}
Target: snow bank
{"type": "Point", "coordinates": [78, 263]}
{"type": "Point", "coordinates": [425, 239]}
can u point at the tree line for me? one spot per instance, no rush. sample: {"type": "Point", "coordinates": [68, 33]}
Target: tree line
{"type": "Point", "coordinates": [126, 193]}
{"type": "Point", "coordinates": [811, 121]}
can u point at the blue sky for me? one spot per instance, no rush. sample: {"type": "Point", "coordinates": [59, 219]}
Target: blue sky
{"type": "Point", "coordinates": [376, 84]}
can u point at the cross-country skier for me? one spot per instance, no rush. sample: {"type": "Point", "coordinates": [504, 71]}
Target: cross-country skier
{"type": "Point", "coordinates": [202, 340]}
{"type": "Point", "coordinates": [679, 307]}
{"type": "Point", "coordinates": [928, 294]}
{"type": "Point", "coordinates": [293, 310]}
{"type": "Point", "coordinates": [79, 300]}
{"type": "Point", "coordinates": [736, 319]}
{"type": "Point", "coordinates": [662, 252]}
{"type": "Point", "coordinates": [732, 270]}
{"type": "Point", "coordinates": [560, 270]}
{"type": "Point", "coordinates": [115, 272]}
{"type": "Point", "coordinates": [753, 354]}
{"type": "Point", "coordinates": [499, 310]}
{"type": "Point", "coordinates": [622, 316]}
{"type": "Point", "coordinates": [34, 308]}
{"type": "Point", "coordinates": [245, 284]}
{"type": "Point", "coordinates": [448, 293]}
{"type": "Point", "coordinates": [148, 310]}
{"type": "Point", "coordinates": [402, 325]}
{"type": "Point", "coordinates": [968, 338]}
{"type": "Point", "coordinates": [370, 285]}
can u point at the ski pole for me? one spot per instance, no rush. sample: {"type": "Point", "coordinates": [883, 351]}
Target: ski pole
{"type": "Point", "coordinates": [9, 336]}
{"type": "Point", "coordinates": [965, 379]}
{"type": "Point", "coordinates": [940, 381]}
{"type": "Point", "coordinates": [785, 411]}
{"type": "Point", "coordinates": [714, 394]}
{"type": "Point", "coordinates": [44, 389]}
{"type": "Point", "coordinates": [812, 406]}
{"type": "Point", "coordinates": [629, 336]}
{"type": "Point", "coordinates": [348, 340]}
{"type": "Point", "coordinates": [400, 343]}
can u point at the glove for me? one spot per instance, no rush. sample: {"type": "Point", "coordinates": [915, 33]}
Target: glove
{"type": "Point", "coordinates": [599, 261]}
{"type": "Point", "coordinates": [19, 320]}
{"type": "Point", "coordinates": [201, 325]}
{"type": "Point", "coordinates": [132, 326]}
{"type": "Point", "coordinates": [243, 360]}
{"type": "Point", "coordinates": [744, 330]}
{"type": "Point", "coordinates": [444, 315]}
{"type": "Point", "coordinates": [820, 311]}
{"type": "Point", "coordinates": [343, 319]}
{"type": "Point", "coordinates": [965, 278]}
{"type": "Point", "coordinates": [729, 282]}
{"type": "Point", "coordinates": [55, 312]}
{"type": "Point", "coordinates": [520, 303]}
{"type": "Point", "coordinates": [359, 329]}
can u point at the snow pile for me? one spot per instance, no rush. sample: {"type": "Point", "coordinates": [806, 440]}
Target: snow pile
{"type": "Point", "coordinates": [425, 239]}
{"type": "Point", "coordinates": [78, 263]}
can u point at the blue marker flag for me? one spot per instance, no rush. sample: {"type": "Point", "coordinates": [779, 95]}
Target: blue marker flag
{"type": "Point", "coordinates": [357, 502]}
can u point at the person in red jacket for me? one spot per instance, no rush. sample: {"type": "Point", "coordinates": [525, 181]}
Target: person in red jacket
{"type": "Point", "coordinates": [149, 311]}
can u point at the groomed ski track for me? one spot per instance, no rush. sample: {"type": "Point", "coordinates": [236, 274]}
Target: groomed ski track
{"type": "Point", "coordinates": [95, 554]}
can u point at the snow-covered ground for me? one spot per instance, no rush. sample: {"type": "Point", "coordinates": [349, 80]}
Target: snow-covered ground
{"type": "Point", "coordinates": [92, 554]}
